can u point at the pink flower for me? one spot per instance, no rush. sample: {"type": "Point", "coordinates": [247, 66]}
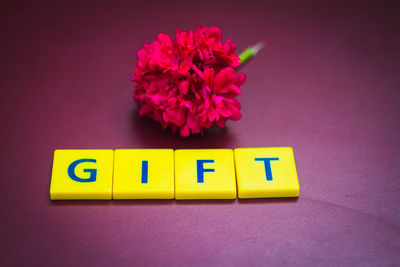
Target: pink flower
{"type": "Point", "coordinates": [190, 83]}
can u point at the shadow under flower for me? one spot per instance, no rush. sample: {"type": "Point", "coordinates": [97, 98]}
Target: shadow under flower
{"type": "Point", "coordinates": [149, 134]}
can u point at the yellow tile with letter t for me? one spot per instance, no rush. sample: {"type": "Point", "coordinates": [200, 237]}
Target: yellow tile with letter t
{"type": "Point", "coordinates": [266, 172]}
{"type": "Point", "coordinates": [143, 174]}
{"type": "Point", "coordinates": [204, 174]}
{"type": "Point", "coordinates": [82, 174]}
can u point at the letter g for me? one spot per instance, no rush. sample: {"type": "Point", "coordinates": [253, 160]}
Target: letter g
{"type": "Point", "coordinates": [72, 175]}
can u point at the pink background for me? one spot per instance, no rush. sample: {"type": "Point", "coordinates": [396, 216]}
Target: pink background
{"type": "Point", "coordinates": [327, 84]}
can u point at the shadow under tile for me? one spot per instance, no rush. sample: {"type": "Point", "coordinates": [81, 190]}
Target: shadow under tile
{"type": "Point", "coordinates": [268, 200]}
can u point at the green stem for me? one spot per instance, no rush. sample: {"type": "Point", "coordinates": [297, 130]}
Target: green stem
{"type": "Point", "coordinates": [250, 52]}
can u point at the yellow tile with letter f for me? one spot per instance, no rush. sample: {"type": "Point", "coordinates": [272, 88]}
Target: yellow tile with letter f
{"type": "Point", "coordinates": [266, 172]}
{"type": "Point", "coordinates": [82, 174]}
{"type": "Point", "coordinates": [143, 174]}
{"type": "Point", "coordinates": [204, 174]}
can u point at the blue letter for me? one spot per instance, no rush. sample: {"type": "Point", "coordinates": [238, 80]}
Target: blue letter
{"type": "Point", "coordinates": [72, 175]}
{"type": "Point", "coordinates": [145, 171]}
{"type": "Point", "coordinates": [267, 164]}
{"type": "Point", "coordinates": [201, 170]}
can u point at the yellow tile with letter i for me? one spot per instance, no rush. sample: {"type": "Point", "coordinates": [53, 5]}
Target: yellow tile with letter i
{"type": "Point", "coordinates": [266, 172]}
{"type": "Point", "coordinates": [82, 174]}
{"type": "Point", "coordinates": [204, 174]}
{"type": "Point", "coordinates": [143, 174]}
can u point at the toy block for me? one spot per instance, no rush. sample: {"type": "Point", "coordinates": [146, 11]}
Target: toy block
{"type": "Point", "coordinates": [143, 174]}
{"type": "Point", "coordinates": [82, 174]}
{"type": "Point", "coordinates": [266, 172]}
{"type": "Point", "coordinates": [204, 174]}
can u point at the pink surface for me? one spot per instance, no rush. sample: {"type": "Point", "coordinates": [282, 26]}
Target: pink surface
{"type": "Point", "coordinates": [326, 84]}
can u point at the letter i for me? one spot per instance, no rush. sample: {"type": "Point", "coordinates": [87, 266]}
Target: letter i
{"type": "Point", "coordinates": [145, 171]}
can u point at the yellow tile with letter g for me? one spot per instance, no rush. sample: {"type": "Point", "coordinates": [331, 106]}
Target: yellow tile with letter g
{"type": "Point", "coordinates": [266, 172]}
{"type": "Point", "coordinates": [143, 174]}
{"type": "Point", "coordinates": [204, 174]}
{"type": "Point", "coordinates": [82, 174]}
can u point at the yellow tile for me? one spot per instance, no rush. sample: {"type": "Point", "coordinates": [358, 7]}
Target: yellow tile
{"type": "Point", "coordinates": [204, 174]}
{"type": "Point", "coordinates": [82, 174]}
{"type": "Point", "coordinates": [266, 172]}
{"type": "Point", "coordinates": [143, 174]}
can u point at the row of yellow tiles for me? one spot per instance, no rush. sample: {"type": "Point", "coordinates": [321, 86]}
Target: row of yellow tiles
{"type": "Point", "coordinates": [180, 174]}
